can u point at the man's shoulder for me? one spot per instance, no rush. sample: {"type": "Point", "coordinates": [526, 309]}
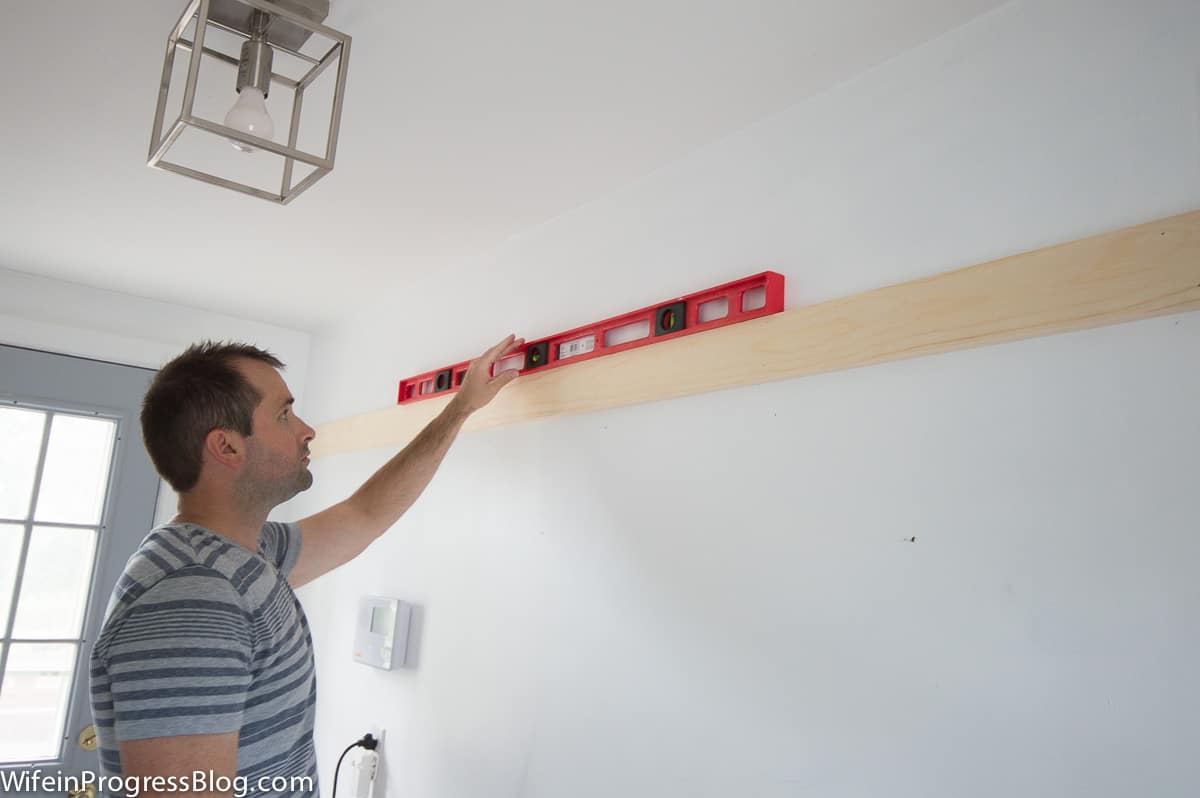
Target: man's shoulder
{"type": "Point", "coordinates": [170, 548]}
{"type": "Point", "coordinates": [185, 557]}
{"type": "Point", "coordinates": [175, 567]}
{"type": "Point", "coordinates": [174, 553]}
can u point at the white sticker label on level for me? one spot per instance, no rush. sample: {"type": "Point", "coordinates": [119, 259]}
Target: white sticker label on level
{"type": "Point", "coordinates": [578, 347]}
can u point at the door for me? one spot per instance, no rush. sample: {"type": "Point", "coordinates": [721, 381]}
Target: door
{"type": "Point", "coordinates": [77, 495]}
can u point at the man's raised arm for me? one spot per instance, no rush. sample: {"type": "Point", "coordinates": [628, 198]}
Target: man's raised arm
{"type": "Point", "coordinates": [340, 533]}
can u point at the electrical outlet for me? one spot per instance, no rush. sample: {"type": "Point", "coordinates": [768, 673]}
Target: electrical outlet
{"type": "Point", "coordinates": [368, 780]}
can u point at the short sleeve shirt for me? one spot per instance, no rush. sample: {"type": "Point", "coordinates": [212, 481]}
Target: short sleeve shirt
{"type": "Point", "coordinates": [202, 636]}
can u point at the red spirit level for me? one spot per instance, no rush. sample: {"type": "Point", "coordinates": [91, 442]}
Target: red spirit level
{"type": "Point", "coordinates": [748, 298]}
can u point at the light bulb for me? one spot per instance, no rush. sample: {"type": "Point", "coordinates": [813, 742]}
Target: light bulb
{"type": "Point", "coordinates": [249, 115]}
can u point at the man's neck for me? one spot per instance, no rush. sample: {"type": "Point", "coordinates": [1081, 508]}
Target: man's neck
{"type": "Point", "coordinates": [242, 527]}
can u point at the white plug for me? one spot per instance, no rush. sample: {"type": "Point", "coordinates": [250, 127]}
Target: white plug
{"type": "Point", "coordinates": [364, 776]}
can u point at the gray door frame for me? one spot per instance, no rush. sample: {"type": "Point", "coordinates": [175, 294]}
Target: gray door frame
{"type": "Point", "coordinates": [48, 381]}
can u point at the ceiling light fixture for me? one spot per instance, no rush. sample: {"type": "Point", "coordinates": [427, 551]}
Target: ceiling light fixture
{"type": "Point", "coordinates": [285, 26]}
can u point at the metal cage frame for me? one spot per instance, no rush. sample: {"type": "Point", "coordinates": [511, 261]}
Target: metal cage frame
{"type": "Point", "coordinates": [160, 143]}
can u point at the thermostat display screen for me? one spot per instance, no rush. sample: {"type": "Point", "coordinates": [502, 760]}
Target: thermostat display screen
{"type": "Point", "coordinates": [382, 620]}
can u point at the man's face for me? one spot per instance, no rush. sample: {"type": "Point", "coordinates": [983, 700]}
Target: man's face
{"type": "Point", "coordinates": [276, 466]}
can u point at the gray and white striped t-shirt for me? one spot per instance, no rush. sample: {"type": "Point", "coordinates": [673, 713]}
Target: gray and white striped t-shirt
{"type": "Point", "coordinates": [201, 636]}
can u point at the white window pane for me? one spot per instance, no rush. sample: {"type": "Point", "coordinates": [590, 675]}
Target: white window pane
{"type": "Point", "coordinates": [75, 476]}
{"type": "Point", "coordinates": [54, 590]}
{"type": "Point", "coordinates": [33, 704]}
{"type": "Point", "coordinates": [10, 550]}
{"type": "Point", "coordinates": [21, 432]}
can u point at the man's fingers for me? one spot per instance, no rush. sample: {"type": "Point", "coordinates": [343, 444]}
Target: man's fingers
{"type": "Point", "coordinates": [501, 351]}
{"type": "Point", "coordinates": [513, 347]}
{"type": "Point", "coordinates": [504, 378]}
{"type": "Point", "coordinates": [488, 360]}
{"type": "Point", "coordinates": [500, 346]}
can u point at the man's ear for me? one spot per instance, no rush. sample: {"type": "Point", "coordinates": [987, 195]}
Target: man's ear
{"type": "Point", "coordinates": [225, 448]}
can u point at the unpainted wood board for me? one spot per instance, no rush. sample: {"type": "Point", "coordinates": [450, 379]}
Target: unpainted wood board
{"type": "Point", "coordinates": [1134, 273]}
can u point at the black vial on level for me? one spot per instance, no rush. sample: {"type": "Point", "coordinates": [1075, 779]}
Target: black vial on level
{"type": "Point", "coordinates": [443, 380]}
{"type": "Point", "coordinates": [670, 318]}
{"type": "Point", "coordinates": [537, 355]}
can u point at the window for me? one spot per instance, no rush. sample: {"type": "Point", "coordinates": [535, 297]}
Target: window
{"type": "Point", "coordinates": [54, 476]}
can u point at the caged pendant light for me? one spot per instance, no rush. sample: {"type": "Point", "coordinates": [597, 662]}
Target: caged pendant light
{"type": "Point", "coordinates": [290, 27]}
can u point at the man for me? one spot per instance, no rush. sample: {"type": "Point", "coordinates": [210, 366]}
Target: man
{"type": "Point", "coordinates": [205, 660]}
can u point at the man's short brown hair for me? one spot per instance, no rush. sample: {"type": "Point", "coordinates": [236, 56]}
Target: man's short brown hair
{"type": "Point", "coordinates": [197, 392]}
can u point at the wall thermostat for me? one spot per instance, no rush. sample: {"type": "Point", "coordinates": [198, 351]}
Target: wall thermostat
{"type": "Point", "coordinates": [381, 635]}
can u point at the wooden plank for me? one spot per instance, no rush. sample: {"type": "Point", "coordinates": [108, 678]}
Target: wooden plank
{"type": "Point", "coordinates": [1147, 270]}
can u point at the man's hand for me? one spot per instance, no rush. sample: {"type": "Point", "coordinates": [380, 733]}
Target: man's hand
{"type": "Point", "coordinates": [479, 386]}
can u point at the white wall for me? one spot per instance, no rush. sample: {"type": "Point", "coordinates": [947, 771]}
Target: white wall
{"type": "Point", "coordinates": [57, 316]}
{"type": "Point", "coordinates": [714, 596]}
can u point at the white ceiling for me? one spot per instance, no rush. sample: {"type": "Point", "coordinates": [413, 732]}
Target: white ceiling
{"type": "Point", "coordinates": [466, 122]}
